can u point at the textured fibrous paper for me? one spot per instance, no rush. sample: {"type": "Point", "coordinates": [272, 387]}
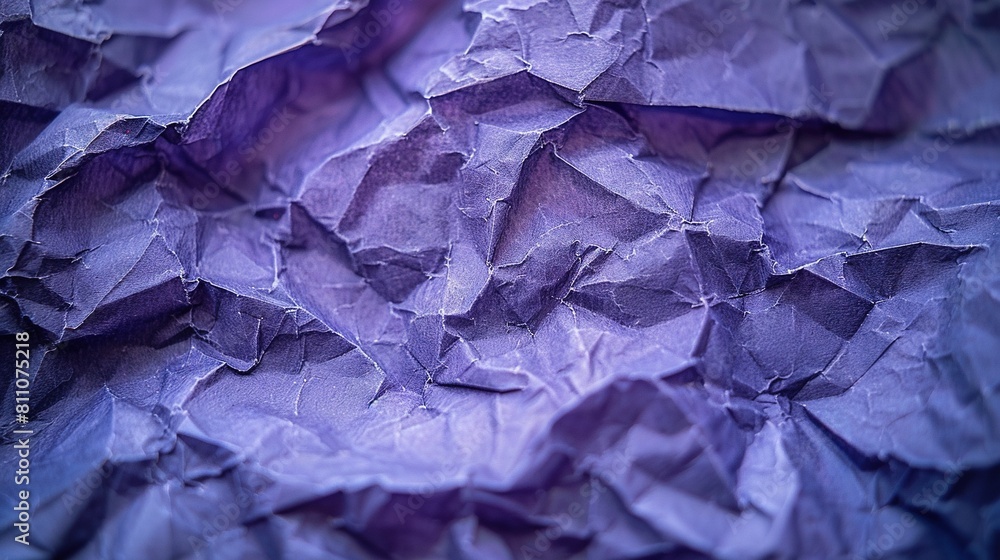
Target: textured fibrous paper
{"type": "Point", "coordinates": [505, 279]}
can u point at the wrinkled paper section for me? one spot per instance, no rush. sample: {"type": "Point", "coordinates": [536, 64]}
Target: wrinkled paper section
{"type": "Point", "coordinates": [504, 279]}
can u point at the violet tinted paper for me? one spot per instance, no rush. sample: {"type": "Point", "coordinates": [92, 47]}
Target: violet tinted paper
{"type": "Point", "coordinates": [502, 279]}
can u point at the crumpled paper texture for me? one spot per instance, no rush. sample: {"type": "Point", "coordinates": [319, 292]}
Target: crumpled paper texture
{"type": "Point", "coordinates": [504, 279]}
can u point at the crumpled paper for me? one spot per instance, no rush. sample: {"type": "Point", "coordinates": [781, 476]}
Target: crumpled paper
{"type": "Point", "coordinates": [504, 279]}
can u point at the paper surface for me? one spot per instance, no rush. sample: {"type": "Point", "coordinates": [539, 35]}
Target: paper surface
{"type": "Point", "coordinates": [503, 279]}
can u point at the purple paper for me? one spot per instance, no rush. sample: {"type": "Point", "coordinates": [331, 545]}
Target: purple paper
{"type": "Point", "coordinates": [500, 279]}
